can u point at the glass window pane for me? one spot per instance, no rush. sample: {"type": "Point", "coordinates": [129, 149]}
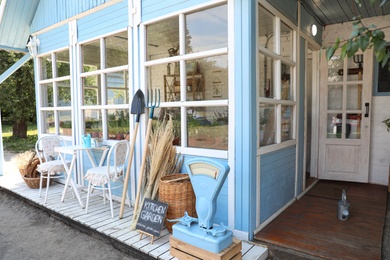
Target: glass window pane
{"type": "Point", "coordinates": [215, 36]}
{"type": "Point", "coordinates": [173, 113]}
{"type": "Point", "coordinates": [286, 91]}
{"type": "Point", "coordinates": [117, 91]}
{"type": "Point", "coordinates": [47, 95]}
{"type": "Point", "coordinates": [353, 126]}
{"type": "Point", "coordinates": [63, 64]}
{"type": "Point", "coordinates": [91, 56]}
{"type": "Point", "coordinates": [334, 125]}
{"type": "Point", "coordinates": [118, 124]}
{"type": "Point", "coordinates": [48, 122]}
{"type": "Point", "coordinates": [286, 41]}
{"type": "Point", "coordinates": [116, 50]}
{"type": "Point", "coordinates": [354, 97]}
{"type": "Point", "coordinates": [266, 76]}
{"type": "Point", "coordinates": [65, 118]}
{"type": "Point", "coordinates": [91, 90]}
{"type": "Point", "coordinates": [207, 127]}
{"type": "Point", "coordinates": [161, 77]}
{"type": "Point", "coordinates": [267, 124]}
{"type": "Point", "coordinates": [335, 97]}
{"type": "Point", "coordinates": [93, 122]}
{"type": "Point", "coordinates": [162, 39]}
{"type": "Point", "coordinates": [46, 67]}
{"type": "Point", "coordinates": [266, 28]}
{"type": "Point", "coordinates": [287, 119]}
{"type": "Point", "coordinates": [335, 69]}
{"type": "Point", "coordinates": [355, 67]}
{"type": "Point", "coordinates": [64, 94]}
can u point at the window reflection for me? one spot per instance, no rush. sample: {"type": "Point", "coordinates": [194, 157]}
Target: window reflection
{"type": "Point", "coordinates": [93, 122]}
{"type": "Point", "coordinates": [267, 123]}
{"type": "Point", "coordinates": [63, 64]}
{"type": "Point", "coordinates": [116, 50]}
{"type": "Point", "coordinates": [206, 30]}
{"type": "Point", "coordinates": [47, 95]}
{"type": "Point", "coordinates": [91, 90]}
{"type": "Point", "coordinates": [117, 91]}
{"type": "Point", "coordinates": [91, 56]}
{"type": "Point", "coordinates": [48, 122]}
{"type": "Point", "coordinates": [46, 67]}
{"type": "Point", "coordinates": [118, 124]}
{"type": "Point", "coordinates": [64, 93]}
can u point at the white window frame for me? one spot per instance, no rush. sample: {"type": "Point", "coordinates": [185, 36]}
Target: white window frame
{"type": "Point", "coordinates": [182, 58]}
{"type": "Point", "coordinates": [277, 101]}
{"type": "Point", "coordinates": [102, 72]}
{"type": "Point", "coordinates": [55, 108]}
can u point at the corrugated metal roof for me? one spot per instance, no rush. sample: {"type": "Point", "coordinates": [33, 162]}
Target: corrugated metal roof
{"type": "Point", "coordinates": [340, 11]}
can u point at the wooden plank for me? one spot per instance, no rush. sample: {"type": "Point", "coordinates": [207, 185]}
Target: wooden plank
{"type": "Point", "coordinates": [310, 225]}
{"type": "Point", "coordinates": [198, 253]}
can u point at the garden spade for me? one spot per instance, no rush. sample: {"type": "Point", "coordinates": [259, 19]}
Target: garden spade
{"type": "Point", "coordinates": [137, 108]}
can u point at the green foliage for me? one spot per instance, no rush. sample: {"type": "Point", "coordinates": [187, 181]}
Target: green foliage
{"type": "Point", "coordinates": [17, 99]}
{"type": "Point", "coordinates": [362, 37]}
{"type": "Point", "coordinates": [17, 145]}
{"type": "Point", "coordinates": [387, 122]}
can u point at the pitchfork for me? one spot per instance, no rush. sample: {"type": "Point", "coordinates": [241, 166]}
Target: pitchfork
{"type": "Point", "coordinates": [152, 101]}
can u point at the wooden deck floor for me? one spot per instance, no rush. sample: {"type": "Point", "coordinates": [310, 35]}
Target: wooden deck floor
{"type": "Point", "coordinates": [99, 220]}
{"type": "Point", "coordinates": [310, 225]}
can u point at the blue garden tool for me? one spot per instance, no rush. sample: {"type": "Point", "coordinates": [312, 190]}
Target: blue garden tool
{"type": "Point", "coordinates": [152, 101]}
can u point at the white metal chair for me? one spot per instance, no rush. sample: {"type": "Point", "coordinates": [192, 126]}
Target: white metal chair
{"type": "Point", "coordinates": [110, 176]}
{"type": "Point", "coordinates": [50, 165]}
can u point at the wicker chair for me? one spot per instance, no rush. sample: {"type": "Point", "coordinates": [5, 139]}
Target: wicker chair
{"type": "Point", "coordinates": [50, 165]}
{"type": "Point", "coordinates": [110, 176]}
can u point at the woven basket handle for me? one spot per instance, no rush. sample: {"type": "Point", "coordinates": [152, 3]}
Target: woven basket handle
{"type": "Point", "coordinates": [178, 179]}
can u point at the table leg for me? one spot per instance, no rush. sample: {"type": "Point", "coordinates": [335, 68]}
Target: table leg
{"type": "Point", "coordinates": [69, 180]}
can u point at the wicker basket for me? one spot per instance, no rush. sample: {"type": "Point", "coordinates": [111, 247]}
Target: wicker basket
{"type": "Point", "coordinates": [31, 176]}
{"type": "Point", "coordinates": [176, 190]}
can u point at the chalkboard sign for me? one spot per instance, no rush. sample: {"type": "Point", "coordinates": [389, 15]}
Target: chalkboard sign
{"type": "Point", "coordinates": [151, 217]}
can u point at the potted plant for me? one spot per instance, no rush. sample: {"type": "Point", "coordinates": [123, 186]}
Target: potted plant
{"type": "Point", "coordinates": [66, 127]}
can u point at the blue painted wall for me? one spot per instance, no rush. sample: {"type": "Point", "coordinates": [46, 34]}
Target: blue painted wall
{"type": "Point", "coordinates": [155, 8]}
{"type": "Point", "coordinates": [54, 39]}
{"type": "Point", "coordinates": [110, 19]}
{"type": "Point", "coordinates": [50, 12]}
{"type": "Point", "coordinates": [277, 181]}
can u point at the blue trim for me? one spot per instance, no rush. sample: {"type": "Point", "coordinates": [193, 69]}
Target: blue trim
{"type": "Point", "coordinates": [246, 126]}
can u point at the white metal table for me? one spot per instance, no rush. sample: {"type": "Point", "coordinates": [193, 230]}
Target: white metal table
{"type": "Point", "coordinates": [73, 150]}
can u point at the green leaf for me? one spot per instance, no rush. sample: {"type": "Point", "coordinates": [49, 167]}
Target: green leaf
{"type": "Point", "coordinates": [354, 49]}
{"type": "Point", "coordinates": [364, 41]}
{"type": "Point", "coordinates": [379, 45]}
{"type": "Point", "coordinates": [343, 51]}
{"type": "Point", "coordinates": [336, 45]}
{"type": "Point", "coordinates": [329, 52]}
{"type": "Point", "coordinates": [380, 54]}
{"type": "Point", "coordinates": [372, 2]}
{"type": "Point", "coordinates": [386, 59]}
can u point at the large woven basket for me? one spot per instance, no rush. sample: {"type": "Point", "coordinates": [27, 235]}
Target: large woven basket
{"type": "Point", "coordinates": [31, 176]}
{"type": "Point", "coordinates": [176, 190]}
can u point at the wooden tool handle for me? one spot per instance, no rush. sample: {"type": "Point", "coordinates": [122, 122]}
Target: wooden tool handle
{"type": "Point", "coordinates": [142, 169]}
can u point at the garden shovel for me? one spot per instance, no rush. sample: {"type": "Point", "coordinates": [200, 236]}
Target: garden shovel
{"type": "Point", "coordinates": [154, 103]}
{"type": "Point", "coordinates": [137, 108]}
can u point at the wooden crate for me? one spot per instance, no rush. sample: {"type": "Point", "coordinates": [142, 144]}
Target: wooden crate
{"type": "Point", "coordinates": [182, 250]}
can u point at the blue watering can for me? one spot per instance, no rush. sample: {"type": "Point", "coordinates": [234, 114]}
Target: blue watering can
{"type": "Point", "coordinates": [86, 140]}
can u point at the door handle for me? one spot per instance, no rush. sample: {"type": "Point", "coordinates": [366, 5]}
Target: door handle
{"type": "Point", "coordinates": [367, 109]}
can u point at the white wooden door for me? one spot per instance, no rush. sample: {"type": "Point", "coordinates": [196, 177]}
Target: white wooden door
{"type": "Point", "coordinates": [345, 99]}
